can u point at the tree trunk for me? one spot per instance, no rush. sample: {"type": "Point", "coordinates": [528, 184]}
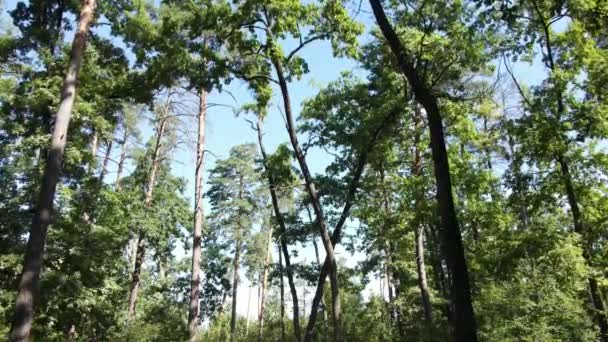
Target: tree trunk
{"type": "Point", "coordinates": [237, 255]}
{"type": "Point", "coordinates": [464, 327]}
{"type": "Point", "coordinates": [198, 220]}
{"type": "Point", "coordinates": [314, 243]}
{"type": "Point", "coordinates": [235, 285]}
{"type": "Point", "coordinates": [121, 158]}
{"type": "Point", "coordinates": [579, 227]}
{"type": "Point", "coordinates": [282, 295]}
{"type": "Point", "coordinates": [133, 250]}
{"type": "Point", "coordinates": [418, 224]}
{"type": "Point", "coordinates": [315, 201]}
{"type": "Point", "coordinates": [283, 229]}
{"type": "Point", "coordinates": [141, 239]}
{"type": "Point", "coordinates": [264, 279]}
{"type": "Point", "coordinates": [24, 306]}
{"type": "Point", "coordinates": [421, 270]}
{"type": "Point", "coordinates": [162, 269]}
{"type": "Point", "coordinates": [94, 144]}
{"type": "Point", "coordinates": [140, 253]}
{"type": "Point", "coordinates": [248, 309]}
{"type": "Point", "coordinates": [336, 234]}
{"type": "Point", "coordinates": [106, 159]}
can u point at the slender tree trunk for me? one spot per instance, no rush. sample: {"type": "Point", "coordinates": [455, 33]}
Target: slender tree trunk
{"type": "Point", "coordinates": [283, 229]}
{"type": "Point", "coordinates": [248, 310]}
{"type": "Point", "coordinates": [314, 243]}
{"type": "Point", "coordinates": [141, 239]}
{"type": "Point", "coordinates": [140, 253]}
{"type": "Point", "coordinates": [162, 268]}
{"type": "Point", "coordinates": [237, 255]}
{"type": "Point", "coordinates": [421, 270]}
{"type": "Point", "coordinates": [488, 152]}
{"type": "Point", "coordinates": [121, 158]}
{"type": "Point", "coordinates": [282, 295]}
{"type": "Point", "coordinates": [133, 248]}
{"type": "Point", "coordinates": [315, 201]}
{"type": "Point", "coordinates": [336, 234]}
{"type": "Point", "coordinates": [598, 305]}
{"type": "Point", "coordinates": [596, 298]}
{"type": "Point", "coordinates": [94, 144]}
{"type": "Point", "coordinates": [439, 274]}
{"type": "Point", "coordinates": [235, 285]}
{"type": "Point", "coordinates": [419, 227]}
{"type": "Point", "coordinates": [198, 220]}
{"type": "Point", "coordinates": [264, 279]}
{"type": "Point", "coordinates": [24, 306]}
{"type": "Point", "coordinates": [464, 327]}
{"type": "Point", "coordinates": [106, 159]}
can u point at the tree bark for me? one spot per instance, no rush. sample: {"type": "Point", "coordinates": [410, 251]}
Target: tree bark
{"type": "Point", "coordinates": [141, 238]}
{"type": "Point", "coordinates": [248, 308]}
{"type": "Point", "coordinates": [121, 158]}
{"type": "Point", "coordinates": [237, 255]}
{"type": "Point", "coordinates": [579, 227]}
{"type": "Point", "coordinates": [282, 295]}
{"type": "Point", "coordinates": [314, 243]}
{"type": "Point", "coordinates": [421, 270]}
{"type": "Point", "coordinates": [235, 285]}
{"type": "Point", "coordinates": [598, 305]}
{"type": "Point", "coordinates": [464, 327]}
{"type": "Point", "coordinates": [106, 159]}
{"type": "Point", "coordinates": [283, 229]}
{"type": "Point", "coordinates": [315, 201]}
{"type": "Point", "coordinates": [264, 279]}
{"type": "Point", "coordinates": [418, 224]}
{"type": "Point", "coordinates": [94, 144]}
{"type": "Point", "coordinates": [195, 279]}
{"type": "Point", "coordinates": [336, 234]}
{"type": "Point", "coordinates": [24, 306]}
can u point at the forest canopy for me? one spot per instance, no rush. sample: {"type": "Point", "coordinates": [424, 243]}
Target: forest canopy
{"type": "Point", "coordinates": [288, 170]}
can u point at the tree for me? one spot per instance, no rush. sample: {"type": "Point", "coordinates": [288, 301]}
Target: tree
{"type": "Point", "coordinates": [233, 194]}
{"type": "Point", "coordinates": [159, 151]}
{"type": "Point", "coordinates": [463, 323]}
{"type": "Point", "coordinates": [24, 307]}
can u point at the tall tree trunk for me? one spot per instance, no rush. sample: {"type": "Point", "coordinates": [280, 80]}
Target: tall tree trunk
{"type": "Point", "coordinates": [162, 268]}
{"type": "Point", "coordinates": [464, 327]}
{"type": "Point", "coordinates": [235, 285]}
{"type": "Point", "coordinates": [418, 224]}
{"type": "Point", "coordinates": [282, 295]}
{"type": "Point", "coordinates": [121, 158]}
{"type": "Point", "coordinates": [195, 279]}
{"type": "Point", "coordinates": [24, 306]}
{"type": "Point", "coordinates": [106, 159]}
{"type": "Point", "coordinates": [248, 310]}
{"type": "Point", "coordinates": [237, 255]}
{"type": "Point", "coordinates": [94, 145]}
{"type": "Point", "coordinates": [598, 305]}
{"type": "Point", "coordinates": [579, 227]}
{"type": "Point", "coordinates": [283, 230]}
{"type": "Point", "coordinates": [141, 238]}
{"type": "Point", "coordinates": [336, 234]}
{"type": "Point", "coordinates": [421, 270]}
{"type": "Point", "coordinates": [314, 243]}
{"type": "Point", "coordinates": [332, 267]}
{"type": "Point", "coordinates": [264, 279]}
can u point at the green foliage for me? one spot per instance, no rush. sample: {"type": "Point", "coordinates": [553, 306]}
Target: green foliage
{"type": "Point", "coordinates": [509, 145]}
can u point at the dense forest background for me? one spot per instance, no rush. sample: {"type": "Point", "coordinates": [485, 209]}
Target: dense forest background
{"type": "Point", "coordinates": [287, 170]}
